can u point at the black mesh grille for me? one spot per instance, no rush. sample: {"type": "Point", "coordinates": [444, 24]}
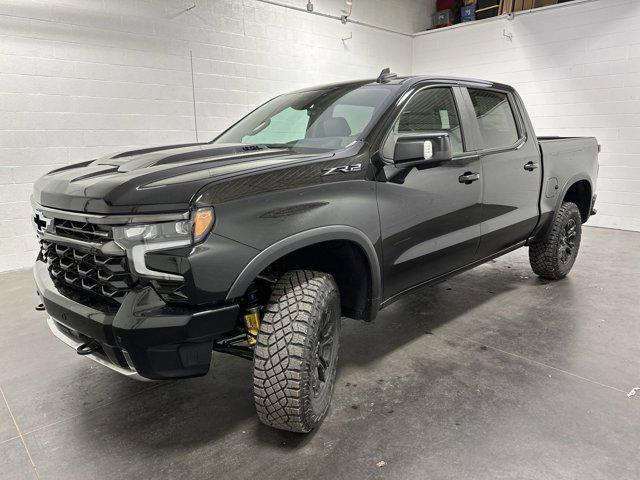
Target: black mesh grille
{"type": "Point", "coordinates": [81, 230]}
{"type": "Point", "coordinates": [94, 274]}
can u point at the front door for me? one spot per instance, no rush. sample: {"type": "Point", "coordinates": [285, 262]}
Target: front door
{"type": "Point", "coordinates": [429, 216]}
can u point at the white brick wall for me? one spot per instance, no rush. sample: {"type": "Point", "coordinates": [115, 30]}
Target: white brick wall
{"type": "Point", "coordinates": [402, 15]}
{"type": "Point", "coordinates": [83, 78]}
{"type": "Point", "coordinates": [577, 68]}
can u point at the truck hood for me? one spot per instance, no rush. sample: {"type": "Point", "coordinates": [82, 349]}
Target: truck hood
{"type": "Point", "coordinates": [161, 179]}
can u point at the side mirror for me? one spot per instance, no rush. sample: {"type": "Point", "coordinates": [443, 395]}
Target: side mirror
{"type": "Point", "coordinates": [413, 149]}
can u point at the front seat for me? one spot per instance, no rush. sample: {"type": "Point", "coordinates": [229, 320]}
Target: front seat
{"type": "Point", "coordinates": [332, 127]}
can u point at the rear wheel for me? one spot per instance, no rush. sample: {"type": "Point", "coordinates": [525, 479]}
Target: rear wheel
{"type": "Point", "coordinates": [553, 256]}
{"type": "Point", "coordinates": [296, 355]}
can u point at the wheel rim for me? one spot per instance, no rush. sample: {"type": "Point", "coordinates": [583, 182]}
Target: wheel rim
{"type": "Point", "coordinates": [567, 244]}
{"type": "Point", "coordinates": [323, 357]}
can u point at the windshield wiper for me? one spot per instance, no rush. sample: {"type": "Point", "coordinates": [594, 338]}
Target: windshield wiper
{"type": "Point", "coordinates": [278, 145]}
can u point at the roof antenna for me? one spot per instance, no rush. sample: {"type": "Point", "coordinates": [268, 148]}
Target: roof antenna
{"type": "Point", "coordinates": [385, 76]}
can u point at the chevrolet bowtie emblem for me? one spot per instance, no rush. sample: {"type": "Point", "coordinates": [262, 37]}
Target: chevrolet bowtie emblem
{"type": "Point", "coordinates": [40, 222]}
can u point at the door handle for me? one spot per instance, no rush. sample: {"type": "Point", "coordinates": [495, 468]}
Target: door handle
{"type": "Point", "coordinates": [530, 166]}
{"type": "Point", "coordinates": [468, 177]}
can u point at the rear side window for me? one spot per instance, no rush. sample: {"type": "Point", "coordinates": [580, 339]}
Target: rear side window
{"type": "Point", "coordinates": [495, 118]}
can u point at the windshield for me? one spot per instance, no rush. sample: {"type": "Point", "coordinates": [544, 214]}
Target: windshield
{"type": "Point", "coordinates": [323, 119]}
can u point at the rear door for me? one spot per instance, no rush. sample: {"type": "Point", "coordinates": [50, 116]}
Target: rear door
{"type": "Point", "coordinates": [430, 219]}
{"type": "Point", "coordinates": [511, 170]}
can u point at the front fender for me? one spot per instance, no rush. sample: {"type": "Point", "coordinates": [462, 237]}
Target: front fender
{"type": "Point", "coordinates": [304, 239]}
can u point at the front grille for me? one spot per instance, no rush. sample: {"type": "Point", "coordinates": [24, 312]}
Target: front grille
{"type": "Point", "coordinates": [94, 274]}
{"type": "Point", "coordinates": [81, 230]}
{"type": "Point", "coordinates": [88, 276]}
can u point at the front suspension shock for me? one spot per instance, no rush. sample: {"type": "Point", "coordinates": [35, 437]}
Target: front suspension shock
{"type": "Point", "coordinates": [252, 314]}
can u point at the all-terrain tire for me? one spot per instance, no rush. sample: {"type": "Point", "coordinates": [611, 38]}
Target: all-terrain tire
{"type": "Point", "coordinates": [303, 314]}
{"type": "Point", "coordinates": [553, 255]}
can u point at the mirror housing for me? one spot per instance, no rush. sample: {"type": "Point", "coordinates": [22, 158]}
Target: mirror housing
{"type": "Point", "coordinates": [414, 149]}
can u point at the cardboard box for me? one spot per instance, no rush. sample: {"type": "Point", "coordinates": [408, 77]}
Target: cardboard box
{"type": "Point", "coordinates": [509, 6]}
{"type": "Point", "coordinates": [520, 5]}
{"type": "Point", "coordinates": [544, 3]}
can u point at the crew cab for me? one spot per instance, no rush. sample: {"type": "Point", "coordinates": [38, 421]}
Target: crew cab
{"type": "Point", "coordinates": [324, 203]}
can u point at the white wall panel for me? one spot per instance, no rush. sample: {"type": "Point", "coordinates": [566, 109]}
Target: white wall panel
{"type": "Point", "coordinates": [81, 79]}
{"type": "Point", "coordinates": [577, 68]}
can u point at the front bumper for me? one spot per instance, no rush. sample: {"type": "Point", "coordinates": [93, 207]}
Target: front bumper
{"type": "Point", "coordinates": [145, 338]}
{"type": "Point", "coordinates": [73, 339]}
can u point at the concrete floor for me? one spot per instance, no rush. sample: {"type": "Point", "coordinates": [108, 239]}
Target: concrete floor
{"type": "Point", "coordinates": [494, 374]}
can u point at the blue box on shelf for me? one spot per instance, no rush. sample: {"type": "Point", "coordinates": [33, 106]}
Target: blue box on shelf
{"type": "Point", "coordinates": [468, 13]}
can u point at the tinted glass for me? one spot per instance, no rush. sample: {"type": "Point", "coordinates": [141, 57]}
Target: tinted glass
{"type": "Point", "coordinates": [431, 110]}
{"type": "Point", "coordinates": [285, 126]}
{"type": "Point", "coordinates": [495, 118]}
{"type": "Point", "coordinates": [323, 119]}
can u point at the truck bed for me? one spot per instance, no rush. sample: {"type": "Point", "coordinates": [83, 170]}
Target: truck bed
{"type": "Point", "coordinates": [562, 157]}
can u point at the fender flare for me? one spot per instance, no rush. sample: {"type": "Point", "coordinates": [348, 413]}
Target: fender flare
{"type": "Point", "coordinates": [304, 239]}
{"type": "Point", "coordinates": [567, 185]}
{"type": "Point", "coordinates": [544, 224]}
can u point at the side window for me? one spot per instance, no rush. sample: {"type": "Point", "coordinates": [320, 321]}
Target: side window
{"type": "Point", "coordinates": [429, 110]}
{"type": "Point", "coordinates": [495, 118]}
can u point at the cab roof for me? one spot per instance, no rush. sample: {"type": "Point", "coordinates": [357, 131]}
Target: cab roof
{"type": "Point", "coordinates": [410, 80]}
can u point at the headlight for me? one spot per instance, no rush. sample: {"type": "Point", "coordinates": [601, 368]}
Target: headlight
{"type": "Point", "coordinates": [137, 240]}
{"type": "Point", "coordinates": [158, 232]}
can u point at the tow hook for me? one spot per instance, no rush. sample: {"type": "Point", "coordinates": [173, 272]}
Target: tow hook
{"type": "Point", "coordinates": [40, 306]}
{"type": "Point", "coordinates": [88, 347]}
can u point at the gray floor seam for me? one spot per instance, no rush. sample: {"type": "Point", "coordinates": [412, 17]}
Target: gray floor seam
{"type": "Point", "coordinates": [24, 444]}
{"type": "Point", "coordinates": [530, 360]}
{"type": "Point", "coordinates": [7, 440]}
{"type": "Point", "coordinates": [64, 420]}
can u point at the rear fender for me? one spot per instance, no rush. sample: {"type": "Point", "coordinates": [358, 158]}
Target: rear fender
{"type": "Point", "coordinates": [547, 217]}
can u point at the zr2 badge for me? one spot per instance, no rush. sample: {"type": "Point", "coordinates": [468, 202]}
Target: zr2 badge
{"type": "Point", "coordinates": [344, 169]}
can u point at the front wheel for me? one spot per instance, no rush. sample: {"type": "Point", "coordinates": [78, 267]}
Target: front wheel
{"type": "Point", "coordinates": [553, 256]}
{"type": "Point", "coordinates": [296, 355]}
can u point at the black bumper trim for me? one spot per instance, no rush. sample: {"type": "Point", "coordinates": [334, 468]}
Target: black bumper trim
{"type": "Point", "coordinates": [161, 341]}
{"type": "Point", "coordinates": [74, 342]}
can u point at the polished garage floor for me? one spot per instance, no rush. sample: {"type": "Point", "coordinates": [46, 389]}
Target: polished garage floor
{"type": "Point", "coordinates": [494, 374]}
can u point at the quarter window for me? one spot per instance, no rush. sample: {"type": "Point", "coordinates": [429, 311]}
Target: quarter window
{"type": "Point", "coordinates": [495, 118]}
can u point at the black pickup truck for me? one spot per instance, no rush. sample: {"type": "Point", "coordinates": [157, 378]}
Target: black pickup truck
{"type": "Point", "coordinates": [324, 203]}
